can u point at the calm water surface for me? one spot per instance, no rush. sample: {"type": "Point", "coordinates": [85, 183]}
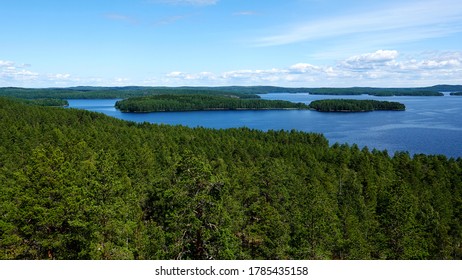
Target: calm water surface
{"type": "Point", "coordinates": [430, 125]}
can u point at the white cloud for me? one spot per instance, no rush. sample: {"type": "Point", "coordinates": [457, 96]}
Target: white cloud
{"type": "Point", "coordinates": [179, 78]}
{"type": "Point", "coordinates": [375, 57]}
{"type": "Point", "coordinates": [11, 73]}
{"type": "Point", "coordinates": [382, 68]}
{"type": "Point", "coordinates": [120, 81]}
{"type": "Point", "coordinates": [444, 64]}
{"type": "Point", "coordinates": [406, 22]}
{"type": "Point", "coordinates": [17, 75]}
{"type": "Point", "coordinates": [440, 61]}
{"type": "Point", "coordinates": [4, 63]}
{"type": "Point", "coordinates": [371, 60]}
{"type": "Point", "coordinates": [59, 76]}
{"type": "Point", "coordinates": [304, 68]}
{"type": "Point", "coordinates": [23, 75]}
{"type": "Point", "coordinates": [255, 75]}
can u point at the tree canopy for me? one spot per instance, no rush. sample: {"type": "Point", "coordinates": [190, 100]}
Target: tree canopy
{"type": "Point", "coordinates": [351, 105]}
{"type": "Point", "coordinates": [86, 92]}
{"type": "Point", "coordinates": [76, 184]}
{"type": "Point", "coordinates": [377, 91]}
{"type": "Point", "coordinates": [194, 102]}
{"type": "Point", "coordinates": [112, 92]}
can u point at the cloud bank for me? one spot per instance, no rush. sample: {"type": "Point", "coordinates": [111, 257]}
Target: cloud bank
{"type": "Point", "coordinates": [11, 72]}
{"type": "Point", "coordinates": [382, 68]}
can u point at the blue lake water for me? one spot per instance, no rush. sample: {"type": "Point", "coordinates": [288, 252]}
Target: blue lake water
{"type": "Point", "coordinates": [430, 125]}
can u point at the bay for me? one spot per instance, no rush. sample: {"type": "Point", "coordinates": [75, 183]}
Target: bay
{"type": "Point", "coordinates": [430, 125]}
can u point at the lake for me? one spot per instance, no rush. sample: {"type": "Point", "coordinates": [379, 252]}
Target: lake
{"type": "Point", "coordinates": [430, 125]}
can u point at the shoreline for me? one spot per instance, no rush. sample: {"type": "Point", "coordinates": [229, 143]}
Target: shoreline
{"type": "Point", "coordinates": [215, 109]}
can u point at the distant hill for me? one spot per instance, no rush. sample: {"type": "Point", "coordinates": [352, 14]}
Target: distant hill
{"type": "Point", "coordinates": [441, 88]}
{"type": "Point", "coordinates": [90, 92]}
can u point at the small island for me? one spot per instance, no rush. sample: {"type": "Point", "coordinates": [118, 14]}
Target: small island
{"type": "Point", "coordinates": [352, 105]}
{"type": "Point", "coordinates": [459, 93]}
{"type": "Point", "coordinates": [200, 102]}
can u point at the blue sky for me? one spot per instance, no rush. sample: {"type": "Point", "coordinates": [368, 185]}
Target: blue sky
{"type": "Point", "coordinates": [308, 43]}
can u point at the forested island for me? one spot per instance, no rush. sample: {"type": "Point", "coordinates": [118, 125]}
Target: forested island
{"type": "Point", "coordinates": [76, 184]}
{"type": "Point", "coordinates": [200, 102]}
{"type": "Point", "coordinates": [459, 93]}
{"type": "Point", "coordinates": [352, 105]}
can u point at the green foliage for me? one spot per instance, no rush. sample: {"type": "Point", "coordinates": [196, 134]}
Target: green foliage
{"type": "Point", "coordinates": [81, 185]}
{"type": "Point", "coordinates": [192, 102]}
{"type": "Point", "coordinates": [377, 91]}
{"type": "Point", "coordinates": [237, 91]}
{"type": "Point", "coordinates": [53, 102]}
{"type": "Point", "coordinates": [442, 88]}
{"type": "Point", "coordinates": [350, 105]}
{"type": "Point", "coordinates": [459, 93]}
{"type": "Point", "coordinates": [112, 92]}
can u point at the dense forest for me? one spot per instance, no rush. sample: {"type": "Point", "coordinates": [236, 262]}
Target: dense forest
{"type": "Point", "coordinates": [459, 93]}
{"type": "Point", "coordinates": [83, 92]}
{"type": "Point", "coordinates": [76, 184]}
{"type": "Point", "coordinates": [375, 91]}
{"type": "Point", "coordinates": [54, 102]}
{"type": "Point", "coordinates": [111, 92]}
{"type": "Point", "coordinates": [444, 88]}
{"type": "Point", "coordinates": [351, 105]}
{"type": "Point", "coordinates": [195, 102]}
{"type": "Point", "coordinates": [418, 91]}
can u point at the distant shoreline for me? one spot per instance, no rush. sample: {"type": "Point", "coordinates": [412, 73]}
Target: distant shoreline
{"type": "Point", "coordinates": [218, 109]}
{"type": "Point", "coordinates": [88, 92]}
